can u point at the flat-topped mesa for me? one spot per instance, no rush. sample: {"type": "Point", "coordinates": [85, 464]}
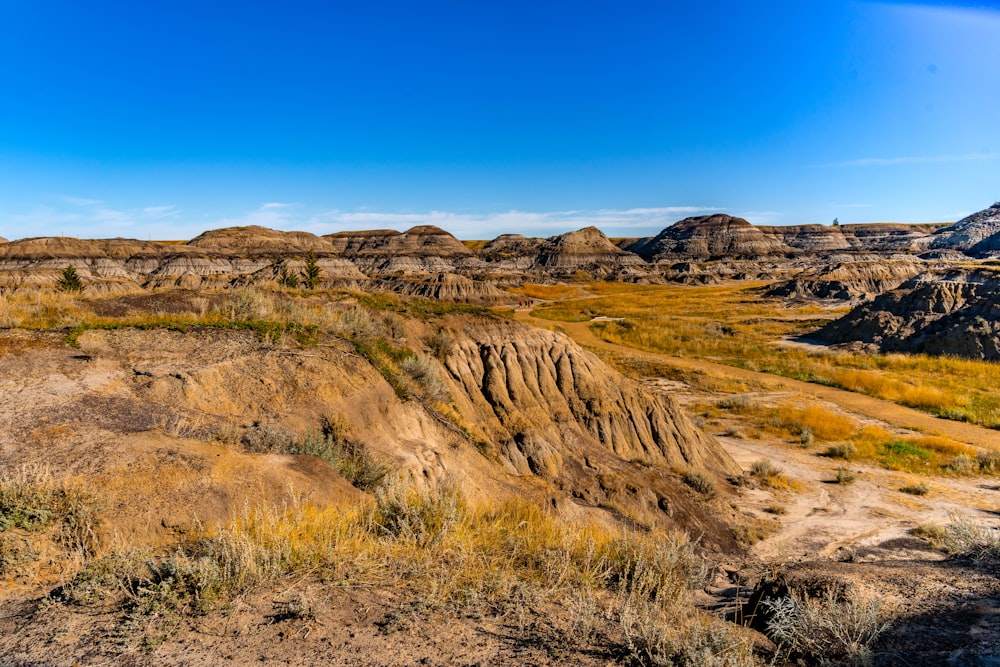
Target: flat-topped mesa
{"type": "Point", "coordinates": [423, 249]}
{"type": "Point", "coordinates": [256, 240]}
{"type": "Point", "coordinates": [3, 240]}
{"type": "Point", "coordinates": [587, 248]}
{"type": "Point", "coordinates": [717, 236]}
{"type": "Point", "coordinates": [976, 234]}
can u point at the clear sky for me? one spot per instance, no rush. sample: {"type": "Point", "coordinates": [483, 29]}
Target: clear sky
{"type": "Point", "coordinates": [161, 120]}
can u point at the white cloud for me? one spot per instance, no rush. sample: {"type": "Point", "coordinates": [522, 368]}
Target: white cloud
{"type": "Point", "coordinates": [914, 159]}
{"type": "Point", "coordinates": [616, 222]}
{"type": "Point", "coordinates": [81, 201]}
{"type": "Point", "coordinates": [95, 220]}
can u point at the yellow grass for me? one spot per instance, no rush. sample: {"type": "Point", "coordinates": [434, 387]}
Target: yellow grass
{"type": "Point", "coordinates": [546, 292]}
{"type": "Point", "coordinates": [736, 325]}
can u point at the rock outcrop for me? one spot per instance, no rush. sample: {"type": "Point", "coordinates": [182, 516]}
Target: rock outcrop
{"type": "Point", "coordinates": [955, 313]}
{"type": "Point", "coordinates": [587, 247]}
{"type": "Point", "coordinates": [447, 287]}
{"type": "Point", "coordinates": [255, 240]}
{"type": "Point", "coordinates": [710, 237]}
{"type": "Point", "coordinates": [425, 248]}
{"type": "Point", "coordinates": [848, 280]}
{"type": "Point", "coordinates": [973, 234]}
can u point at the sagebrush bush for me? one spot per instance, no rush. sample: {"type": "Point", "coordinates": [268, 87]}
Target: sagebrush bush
{"type": "Point", "coordinates": [845, 476]}
{"type": "Point", "coordinates": [826, 630]}
{"type": "Point", "coordinates": [700, 482]}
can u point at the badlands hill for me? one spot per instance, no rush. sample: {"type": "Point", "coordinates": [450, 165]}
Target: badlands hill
{"type": "Point", "coordinates": [955, 312]}
{"type": "Point", "coordinates": [427, 260]}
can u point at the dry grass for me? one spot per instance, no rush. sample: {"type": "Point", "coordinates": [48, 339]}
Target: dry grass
{"type": "Point", "coordinates": [736, 325]}
{"type": "Point", "coordinates": [619, 590]}
{"type": "Point", "coordinates": [844, 438]}
{"type": "Point", "coordinates": [547, 292]}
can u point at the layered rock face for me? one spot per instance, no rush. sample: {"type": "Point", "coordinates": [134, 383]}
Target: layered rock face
{"type": "Point", "coordinates": [552, 401]}
{"type": "Point", "coordinates": [710, 237]}
{"type": "Point", "coordinates": [587, 247]}
{"type": "Point", "coordinates": [425, 248]}
{"type": "Point", "coordinates": [849, 280]}
{"type": "Point", "coordinates": [955, 313]}
{"type": "Point", "coordinates": [976, 234]}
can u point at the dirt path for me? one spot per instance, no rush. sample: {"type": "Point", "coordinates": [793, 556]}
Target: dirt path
{"type": "Point", "coordinates": [891, 413]}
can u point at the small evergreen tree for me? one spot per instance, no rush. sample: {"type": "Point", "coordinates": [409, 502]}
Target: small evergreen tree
{"type": "Point", "coordinates": [285, 277]}
{"type": "Point", "coordinates": [70, 281]}
{"type": "Point", "coordinates": [311, 275]}
{"type": "Point", "coordinates": [836, 222]}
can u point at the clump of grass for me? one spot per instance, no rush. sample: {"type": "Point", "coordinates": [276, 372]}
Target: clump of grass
{"type": "Point", "coordinates": [845, 451]}
{"type": "Point", "coordinates": [418, 516]}
{"type": "Point", "coordinates": [963, 464]}
{"type": "Point", "coordinates": [769, 476]}
{"type": "Point", "coordinates": [988, 462]}
{"type": "Point", "coordinates": [921, 489]}
{"type": "Point", "coordinates": [31, 499]}
{"type": "Point", "coordinates": [827, 629]}
{"type": "Point", "coordinates": [779, 510]}
{"type": "Point", "coordinates": [424, 371]}
{"type": "Point", "coordinates": [739, 404]}
{"type": "Point", "coordinates": [700, 482]}
{"type": "Point", "coordinates": [845, 476]}
{"type": "Point", "coordinates": [333, 444]}
{"type": "Point", "coordinates": [756, 531]}
{"type": "Point", "coordinates": [440, 344]}
{"type": "Point", "coordinates": [806, 437]}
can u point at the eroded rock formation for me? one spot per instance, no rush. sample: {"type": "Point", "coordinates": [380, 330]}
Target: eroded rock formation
{"type": "Point", "coordinates": [956, 313]}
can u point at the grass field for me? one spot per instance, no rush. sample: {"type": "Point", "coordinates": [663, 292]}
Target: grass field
{"type": "Point", "coordinates": [737, 325]}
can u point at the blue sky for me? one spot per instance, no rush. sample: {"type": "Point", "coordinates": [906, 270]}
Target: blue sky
{"type": "Point", "coordinates": [161, 120]}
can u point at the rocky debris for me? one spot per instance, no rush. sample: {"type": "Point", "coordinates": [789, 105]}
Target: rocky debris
{"type": "Point", "coordinates": [710, 237]}
{"type": "Point", "coordinates": [973, 234]}
{"type": "Point", "coordinates": [956, 312]}
{"type": "Point", "coordinates": [848, 280]}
